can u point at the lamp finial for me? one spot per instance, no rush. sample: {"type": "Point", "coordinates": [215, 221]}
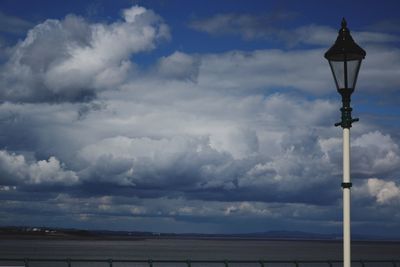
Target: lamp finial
{"type": "Point", "coordinates": [344, 23]}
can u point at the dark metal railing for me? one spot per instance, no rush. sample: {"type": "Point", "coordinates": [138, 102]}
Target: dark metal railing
{"type": "Point", "coordinates": [226, 263]}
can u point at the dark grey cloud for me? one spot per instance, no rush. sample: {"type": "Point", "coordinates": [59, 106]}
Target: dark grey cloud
{"type": "Point", "coordinates": [179, 66]}
{"type": "Point", "coordinates": [93, 106]}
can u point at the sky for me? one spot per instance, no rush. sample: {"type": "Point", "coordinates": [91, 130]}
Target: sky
{"type": "Point", "coordinates": [195, 116]}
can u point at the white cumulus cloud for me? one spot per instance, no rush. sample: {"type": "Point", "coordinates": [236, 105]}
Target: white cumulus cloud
{"type": "Point", "coordinates": [384, 191]}
{"type": "Point", "coordinates": [375, 152]}
{"type": "Point", "coordinates": [72, 59]}
{"type": "Point", "coordinates": [15, 169]}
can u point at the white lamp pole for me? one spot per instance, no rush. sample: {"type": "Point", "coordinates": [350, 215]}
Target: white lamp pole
{"type": "Point", "coordinates": [345, 58]}
{"type": "Point", "coordinates": [346, 198]}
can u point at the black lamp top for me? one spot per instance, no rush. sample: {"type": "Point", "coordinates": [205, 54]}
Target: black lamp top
{"type": "Point", "coordinates": [345, 48]}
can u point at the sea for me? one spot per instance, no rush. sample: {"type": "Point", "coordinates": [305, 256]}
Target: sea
{"type": "Point", "coordinates": [194, 249]}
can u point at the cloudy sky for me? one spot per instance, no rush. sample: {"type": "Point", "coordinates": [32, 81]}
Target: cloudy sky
{"type": "Point", "coordinates": [195, 116]}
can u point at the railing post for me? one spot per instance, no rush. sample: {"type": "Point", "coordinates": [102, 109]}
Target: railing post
{"type": "Point", "coordinates": [188, 263]}
{"type": "Point", "coordinates": [296, 264]}
{"type": "Point", "coordinates": [150, 263]}
{"type": "Point", "coordinates": [110, 262]}
{"type": "Point", "coordinates": [394, 264]}
{"type": "Point", "coordinates": [69, 262]}
{"type": "Point", "coordinates": [330, 264]}
{"type": "Point", "coordinates": [226, 263]}
{"type": "Point", "coordinates": [362, 263]}
{"type": "Point", "coordinates": [26, 262]}
{"type": "Point", "coordinates": [262, 263]}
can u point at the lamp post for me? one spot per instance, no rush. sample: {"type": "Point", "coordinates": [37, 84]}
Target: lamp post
{"type": "Point", "coordinates": [345, 58]}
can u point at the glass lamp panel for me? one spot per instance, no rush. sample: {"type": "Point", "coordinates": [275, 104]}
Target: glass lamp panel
{"type": "Point", "coordinates": [353, 67]}
{"type": "Point", "coordinates": [337, 68]}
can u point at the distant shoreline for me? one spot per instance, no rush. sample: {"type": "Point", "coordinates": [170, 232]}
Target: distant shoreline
{"type": "Point", "coordinates": [34, 233]}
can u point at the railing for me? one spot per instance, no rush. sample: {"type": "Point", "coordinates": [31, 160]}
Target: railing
{"type": "Point", "coordinates": [188, 263]}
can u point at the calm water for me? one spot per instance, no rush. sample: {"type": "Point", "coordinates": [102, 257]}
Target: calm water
{"type": "Point", "coordinates": [192, 249]}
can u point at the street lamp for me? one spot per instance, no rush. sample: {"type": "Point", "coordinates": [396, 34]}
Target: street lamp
{"type": "Point", "coordinates": [345, 58]}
